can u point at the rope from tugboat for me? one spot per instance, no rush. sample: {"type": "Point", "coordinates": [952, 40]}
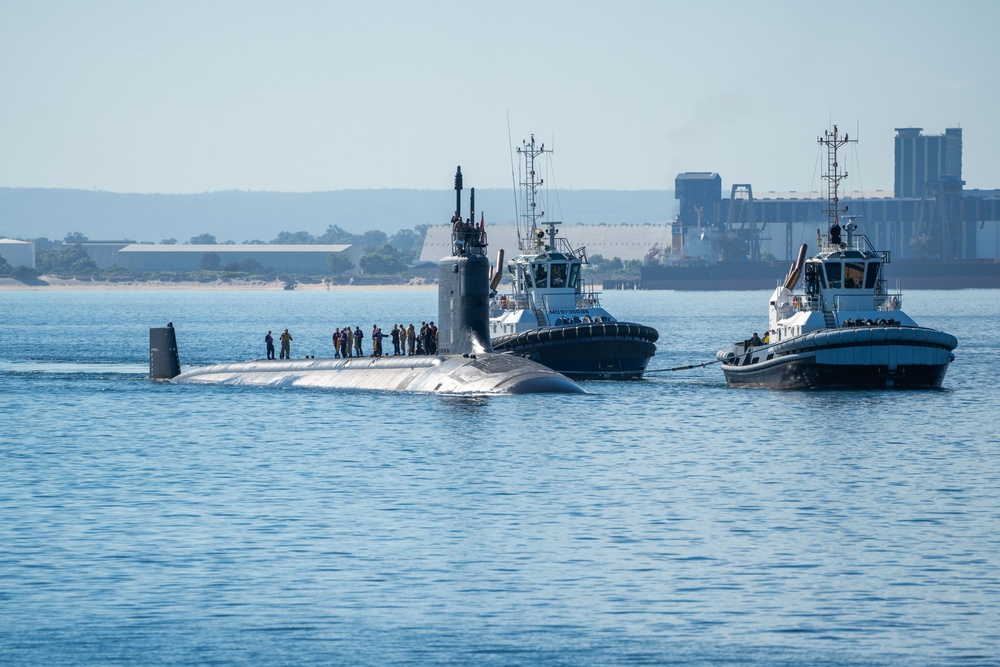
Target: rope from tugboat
{"type": "Point", "coordinates": [681, 368]}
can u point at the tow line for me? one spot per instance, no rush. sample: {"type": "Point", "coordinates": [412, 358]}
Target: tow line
{"type": "Point", "coordinates": [682, 368]}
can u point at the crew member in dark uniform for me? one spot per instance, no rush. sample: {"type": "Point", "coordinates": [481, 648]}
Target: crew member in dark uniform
{"type": "Point", "coordinates": [270, 345]}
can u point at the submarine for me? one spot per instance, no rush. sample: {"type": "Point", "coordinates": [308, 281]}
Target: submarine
{"type": "Point", "coordinates": [465, 363]}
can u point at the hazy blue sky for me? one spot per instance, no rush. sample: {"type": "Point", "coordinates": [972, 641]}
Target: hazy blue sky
{"type": "Point", "coordinates": [178, 96]}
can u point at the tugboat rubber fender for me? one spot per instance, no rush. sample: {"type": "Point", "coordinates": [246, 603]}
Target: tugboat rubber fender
{"type": "Point", "coordinates": [866, 336]}
{"type": "Point", "coordinates": [513, 342]}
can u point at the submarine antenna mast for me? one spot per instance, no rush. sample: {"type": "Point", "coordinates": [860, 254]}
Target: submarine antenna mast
{"type": "Point", "coordinates": [458, 191]}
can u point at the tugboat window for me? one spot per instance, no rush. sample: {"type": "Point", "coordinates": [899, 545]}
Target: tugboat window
{"type": "Point", "coordinates": [526, 275]}
{"type": "Point", "coordinates": [541, 275]}
{"type": "Point", "coordinates": [811, 279]}
{"type": "Point", "coordinates": [558, 275]}
{"type": "Point", "coordinates": [872, 274]}
{"type": "Point", "coordinates": [833, 274]}
{"type": "Point", "coordinates": [574, 275]}
{"type": "Point", "coordinates": [854, 275]}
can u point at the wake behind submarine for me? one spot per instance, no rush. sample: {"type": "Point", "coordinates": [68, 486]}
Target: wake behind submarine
{"type": "Point", "coordinates": [466, 363]}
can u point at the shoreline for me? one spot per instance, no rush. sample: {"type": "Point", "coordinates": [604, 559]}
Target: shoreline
{"type": "Point", "coordinates": [53, 283]}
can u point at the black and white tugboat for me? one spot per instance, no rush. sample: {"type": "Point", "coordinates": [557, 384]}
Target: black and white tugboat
{"type": "Point", "coordinates": [844, 329]}
{"type": "Point", "coordinates": [549, 313]}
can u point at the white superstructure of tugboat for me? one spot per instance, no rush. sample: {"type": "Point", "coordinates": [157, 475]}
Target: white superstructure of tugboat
{"type": "Point", "coordinates": [549, 313]}
{"type": "Point", "coordinates": [844, 329]}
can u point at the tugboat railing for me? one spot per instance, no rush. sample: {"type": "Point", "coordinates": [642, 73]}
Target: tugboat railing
{"type": "Point", "coordinates": [563, 246]}
{"type": "Point", "coordinates": [581, 301]}
{"type": "Point", "coordinates": [879, 302]}
{"type": "Point", "coordinates": [883, 302]}
{"type": "Point", "coordinates": [588, 296]}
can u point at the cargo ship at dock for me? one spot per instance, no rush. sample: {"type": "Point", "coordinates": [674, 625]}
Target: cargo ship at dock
{"type": "Point", "coordinates": [937, 234]}
{"type": "Point", "coordinates": [914, 274]}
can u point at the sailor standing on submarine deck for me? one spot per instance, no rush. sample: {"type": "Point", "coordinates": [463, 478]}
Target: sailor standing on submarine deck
{"type": "Point", "coordinates": [269, 341]}
{"type": "Point", "coordinates": [286, 344]}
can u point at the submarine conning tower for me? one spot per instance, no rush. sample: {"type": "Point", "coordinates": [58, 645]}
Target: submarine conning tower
{"type": "Point", "coordinates": [464, 284]}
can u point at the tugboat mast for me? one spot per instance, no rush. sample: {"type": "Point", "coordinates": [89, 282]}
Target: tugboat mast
{"type": "Point", "coordinates": [833, 141]}
{"type": "Point", "coordinates": [531, 214]}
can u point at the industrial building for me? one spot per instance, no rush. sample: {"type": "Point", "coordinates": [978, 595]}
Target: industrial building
{"type": "Point", "coordinates": [929, 216]}
{"type": "Point", "coordinates": [18, 253]}
{"type": "Point", "coordinates": [623, 241]}
{"type": "Point", "coordinates": [292, 259]}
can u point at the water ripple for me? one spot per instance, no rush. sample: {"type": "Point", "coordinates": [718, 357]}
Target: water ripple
{"type": "Point", "coordinates": [670, 521]}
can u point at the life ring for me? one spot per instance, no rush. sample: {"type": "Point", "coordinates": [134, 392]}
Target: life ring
{"type": "Point", "coordinates": [590, 298]}
{"type": "Point", "coordinates": [893, 303]}
{"type": "Point", "coordinates": [796, 302]}
{"type": "Point", "coordinates": [503, 300]}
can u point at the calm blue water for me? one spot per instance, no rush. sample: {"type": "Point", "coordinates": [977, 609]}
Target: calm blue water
{"type": "Point", "coordinates": [672, 521]}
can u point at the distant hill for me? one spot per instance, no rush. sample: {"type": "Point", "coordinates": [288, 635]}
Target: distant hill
{"type": "Point", "coordinates": [237, 216]}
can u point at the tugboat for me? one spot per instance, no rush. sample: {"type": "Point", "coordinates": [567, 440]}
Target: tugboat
{"type": "Point", "coordinates": [845, 329]}
{"type": "Point", "coordinates": [550, 313]}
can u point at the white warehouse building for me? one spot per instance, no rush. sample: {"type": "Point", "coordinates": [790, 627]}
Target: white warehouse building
{"type": "Point", "coordinates": [18, 253]}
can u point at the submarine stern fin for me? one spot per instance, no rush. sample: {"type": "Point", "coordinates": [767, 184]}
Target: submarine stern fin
{"type": "Point", "coordinates": [164, 362]}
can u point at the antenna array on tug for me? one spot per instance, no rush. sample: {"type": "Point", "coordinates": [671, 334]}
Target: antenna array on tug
{"type": "Point", "coordinates": [833, 142]}
{"type": "Point", "coordinates": [531, 215]}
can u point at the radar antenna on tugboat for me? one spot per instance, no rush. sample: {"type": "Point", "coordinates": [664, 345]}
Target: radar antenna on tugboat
{"type": "Point", "coordinates": [833, 142]}
{"type": "Point", "coordinates": [531, 215]}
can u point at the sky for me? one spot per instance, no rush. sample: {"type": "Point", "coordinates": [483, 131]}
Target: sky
{"type": "Point", "coordinates": [198, 96]}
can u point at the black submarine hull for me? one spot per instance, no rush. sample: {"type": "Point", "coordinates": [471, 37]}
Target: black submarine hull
{"type": "Point", "coordinates": [488, 373]}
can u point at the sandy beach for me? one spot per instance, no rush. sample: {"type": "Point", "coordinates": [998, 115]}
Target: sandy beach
{"type": "Point", "coordinates": [53, 283]}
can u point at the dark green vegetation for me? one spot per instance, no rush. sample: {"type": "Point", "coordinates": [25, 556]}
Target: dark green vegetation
{"type": "Point", "coordinates": [384, 260]}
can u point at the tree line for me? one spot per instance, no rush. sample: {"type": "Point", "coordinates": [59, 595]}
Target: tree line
{"type": "Point", "coordinates": [382, 255]}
